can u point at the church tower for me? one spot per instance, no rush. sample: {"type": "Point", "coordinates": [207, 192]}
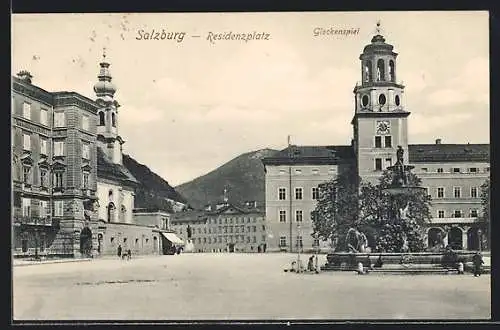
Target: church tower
{"type": "Point", "coordinates": [107, 126]}
{"type": "Point", "coordinates": [380, 119]}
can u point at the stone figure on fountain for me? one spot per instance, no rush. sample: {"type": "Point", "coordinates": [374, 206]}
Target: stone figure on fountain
{"type": "Point", "coordinates": [356, 241]}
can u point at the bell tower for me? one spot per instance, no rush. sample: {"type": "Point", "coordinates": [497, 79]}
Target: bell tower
{"type": "Point", "coordinates": [107, 120]}
{"type": "Point", "coordinates": [380, 118]}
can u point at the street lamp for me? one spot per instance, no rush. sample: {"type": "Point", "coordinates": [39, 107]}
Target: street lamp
{"type": "Point", "coordinates": [479, 233]}
{"type": "Point", "coordinates": [299, 269]}
{"type": "Point", "coordinates": [36, 240]}
{"type": "Point", "coordinates": [316, 236]}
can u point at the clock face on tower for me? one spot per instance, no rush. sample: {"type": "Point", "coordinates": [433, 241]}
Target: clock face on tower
{"type": "Point", "coordinates": [383, 127]}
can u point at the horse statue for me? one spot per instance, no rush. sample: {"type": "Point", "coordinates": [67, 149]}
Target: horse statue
{"type": "Point", "coordinates": [356, 241]}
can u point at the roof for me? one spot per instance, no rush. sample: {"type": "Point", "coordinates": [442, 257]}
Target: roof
{"type": "Point", "coordinates": [311, 155]}
{"type": "Point", "coordinates": [109, 170]}
{"type": "Point", "coordinates": [421, 153]}
{"type": "Point", "coordinates": [189, 216]}
{"type": "Point", "coordinates": [239, 209]}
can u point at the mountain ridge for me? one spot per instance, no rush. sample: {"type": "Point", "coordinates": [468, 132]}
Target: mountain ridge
{"type": "Point", "coordinates": [243, 177]}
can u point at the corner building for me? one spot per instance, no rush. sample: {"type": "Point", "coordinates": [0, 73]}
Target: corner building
{"type": "Point", "coordinates": [452, 173]}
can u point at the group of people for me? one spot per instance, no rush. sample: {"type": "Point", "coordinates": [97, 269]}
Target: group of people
{"type": "Point", "coordinates": [299, 268]}
{"type": "Point", "coordinates": [124, 255]}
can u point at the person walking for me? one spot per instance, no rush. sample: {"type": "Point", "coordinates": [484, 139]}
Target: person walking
{"type": "Point", "coordinates": [310, 264]}
{"type": "Point", "coordinates": [119, 251]}
{"type": "Point", "coordinates": [477, 260]}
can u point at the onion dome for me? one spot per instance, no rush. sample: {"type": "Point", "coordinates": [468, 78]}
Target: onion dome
{"type": "Point", "coordinates": [104, 88]}
{"type": "Point", "coordinates": [378, 44]}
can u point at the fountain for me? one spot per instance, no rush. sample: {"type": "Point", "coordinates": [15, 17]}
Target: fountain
{"type": "Point", "coordinates": [359, 257]}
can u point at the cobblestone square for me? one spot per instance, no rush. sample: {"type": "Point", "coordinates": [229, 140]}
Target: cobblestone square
{"type": "Point", "coordinates": [236, 287]}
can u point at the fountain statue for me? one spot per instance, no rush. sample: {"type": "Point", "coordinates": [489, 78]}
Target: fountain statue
{"type": "Point", "coordinates": [356, 241]}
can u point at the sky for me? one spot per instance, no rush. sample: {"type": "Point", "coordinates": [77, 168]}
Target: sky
{"type": "Point", "coordinates": [188, 107]}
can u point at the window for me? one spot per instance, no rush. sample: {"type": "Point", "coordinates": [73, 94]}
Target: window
{"type": "Point", "coordinates": [44, 116]}
{"type": "Point", "coordinates": [456, 170]}
{"type": "Point", "coordinates": [27, 174]}
{"type": "Point", "coordinates": [282, 216]}
{"type": "Point", "coordinates": [388, 141]}
{"type": "Point", "coordinates": [205, 230]}
{"type": "Point", "coordinates": [316, 242]}
{"type": "Point", "coordinates": [315, 193]}
{"type": "Point", "coordinates": [199, 240]}
{"type": "Point", "coordinates": [473, 213]}
{"type": "Point", "coordinates": [282, 241]}
{"type": "Point", "coordinates": [85, 122]}
{"type": "Point", "coordinates": [298, 216]}
{"type": "Point", "coordinates": [231, 229]}
{"type": "Point", "coordinates": [425, 169]}
{"type": "Point", "coordinates": [440, 170]}
{"type": "Point", "coordinates": [44, 209]}
{"type": "Point", "coordinates": [388, 162]}
{"type": "Point", "coordinates": [43, 146]}
{"type": "Point", "coordinates": [282, 194]}
{"type": "Point", "coordinates": [440, 214]}
{"type": "Point", "coordinates": [456, 192]}
{"type": "Point", "coordinates": [124, 240]}
{"type": "Point", "coordinates": [220, 239]}
{"type": "Point", "coordinates": [254, 239]}
{"type": "Point", "coordinates": [101, 118]}
{"type": "Point", "coordinates": [210, 240]}
{"type": "Point", "coordinates": [263, 227]}
{"type": "Point", "coordinates": [254, 229]}
{"type": "Point", "coordinates": [298, 171]}
{"type": "Point", "coordinates": [487, 169]}
{"type": "Point", "coordinates": [315, 171]}
{"type": "Point", "coordinates": [58, 208]}
{"type": "Point", "coordinates": [248, 229]}
{"type": "Point", "coordinates": [27, 142]}
{"type": "Point", "coordinates": [282, 172]}
{"type": "Point", "coordinates": [113, 119]}
{"type": "Point", "coordinates": [378, 142]}
{"type": "Point", "coordinates": [440, 192]}
{"type": "Point", "coordinates": [43, 178]}
{"type": "Point", "coordinates": [58, 148]}
{"type": "Point", "coordinates": [473, 170]}
{"type": "Point", "coordinates": [457, 214]}
{"type": "Point", "coordinates": [86, 150]}
{"type": "Point", "coordinates": [58, 179]}
{"type": "Point", "coordinates": [85, 179]}
{"type": "Point", "coordinates": [473, 192]}
{"type": "Point", "coordinates": [204, 239]}
{"type": "Point", "coordinates": [378, 164]}
{"type": "Point", "coordinates": [298, 193]}
{"type": "Point", "coordinates": [426, 190]}
{"type": "Point", "coordinates": [59, 119]}
{"type": "Point", "coordinates": [27, 110]}
{"type": "Point", "coordinates": [237, 229]}
{"type": "Point", "coordinates": [26, 202]}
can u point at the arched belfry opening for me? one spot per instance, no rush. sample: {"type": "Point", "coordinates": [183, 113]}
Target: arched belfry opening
{"type": "Point", "coordinates": [392, 72]}
{"type": "Point", "coordinates": [380, 70]}
{"type": "Point", "coordinates": [367, 71]}
{"type": "Point", "coordinates": [102, 121]}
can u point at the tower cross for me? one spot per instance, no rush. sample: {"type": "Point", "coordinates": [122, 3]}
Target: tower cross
{"type": "Point", "coordinates": [378, 29]}
{"type": "Point", "coordinates": [104, 52]}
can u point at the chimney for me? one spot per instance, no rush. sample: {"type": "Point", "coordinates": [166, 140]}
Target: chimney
{"type": "Point", "coordinates": [25, 76]}
{"type": "Point", "coordinates": [438, 141]}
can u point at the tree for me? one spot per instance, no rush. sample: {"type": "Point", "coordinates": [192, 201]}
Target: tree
{"type": "Point", "coordinates": [337, 208]}
{"type": "Point", "coordinates": [484, 219]}
{"type": "Point", "coordinates": [346, 202]}
{"type": "Point", "coordinates": [379, 211]}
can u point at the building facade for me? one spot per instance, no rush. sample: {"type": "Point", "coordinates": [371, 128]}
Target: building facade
{"type": "Point", "coordinates": [72, 194]}
{"type": "Point", "coordinates": [223, 228]}
{"type": "Point", "coordinates": [54, 170]}
{"type": "Point", "coordinates": [452, 173]}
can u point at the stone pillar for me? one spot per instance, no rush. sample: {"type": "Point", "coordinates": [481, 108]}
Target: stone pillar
{"type": "Point", "coordinates": [465, 229]}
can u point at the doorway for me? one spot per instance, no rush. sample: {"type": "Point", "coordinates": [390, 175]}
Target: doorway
{"type": "Point", "coordinates": [86, 242]}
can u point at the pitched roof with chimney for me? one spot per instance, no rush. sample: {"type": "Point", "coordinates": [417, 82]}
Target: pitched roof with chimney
{"type": "Point", "coordinates": [430, 153]}
{"type": "Point", "coordinates": [313, 155]}
{"type": "Point", "coordinates": [108, 170]}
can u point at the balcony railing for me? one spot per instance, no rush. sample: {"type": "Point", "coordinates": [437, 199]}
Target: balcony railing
{"type": "Point", "coordinates": [33, 221]}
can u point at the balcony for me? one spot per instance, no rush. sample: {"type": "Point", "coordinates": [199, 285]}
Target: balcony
{"type": "Point", "coordinates": [33, 221]}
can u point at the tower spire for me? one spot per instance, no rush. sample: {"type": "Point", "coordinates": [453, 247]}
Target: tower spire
{"type": "Point", "coordinates": [378, 29]}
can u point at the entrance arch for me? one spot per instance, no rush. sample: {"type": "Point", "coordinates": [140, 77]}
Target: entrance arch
{"type": "Point", "coordinates": [472, 239]}
{"type": "Point", "coordinates": [455, 238]}
{"type": "Point", "coordinates": [434, 237]}
{"type": "Point", "coordinates": [86, 241]}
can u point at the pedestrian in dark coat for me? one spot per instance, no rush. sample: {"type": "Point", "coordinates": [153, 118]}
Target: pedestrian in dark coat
{"type": "Point", "coordinates": [119, 252]}
{"type": "Point", "coordinates": [477, 260]}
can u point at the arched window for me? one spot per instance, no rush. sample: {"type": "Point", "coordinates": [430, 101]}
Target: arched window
{"type": "Point", "coordinates": [111, 212]}
{"type": "Point", "coordinates": [101, 118]}
{"type": "Point", "coordinates": [380, 70]}
{"type": "Point", "coordinates": [392, 73]}
{"type": "Point", "coordinates": [367, 71]}
{"type": "Point", "coordinates": [113, 119]}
